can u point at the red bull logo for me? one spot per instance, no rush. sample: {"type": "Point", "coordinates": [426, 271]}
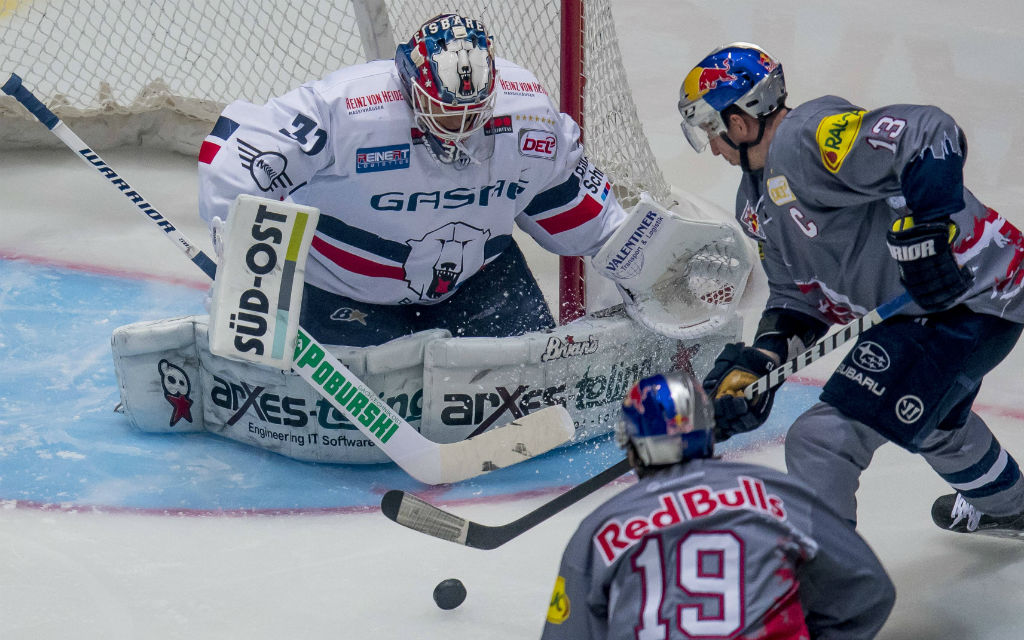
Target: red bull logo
{"type": "Point", "coordinates": [700, 80]}
{"type": "Point", "coordinates": [635, 399]}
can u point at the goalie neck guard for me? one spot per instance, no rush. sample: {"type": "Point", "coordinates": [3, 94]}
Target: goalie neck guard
{"type": "Point", "coordinates": [447, 71]}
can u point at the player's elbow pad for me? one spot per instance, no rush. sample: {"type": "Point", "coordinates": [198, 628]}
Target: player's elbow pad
{"type": "Point", "coordinates": [778, 326]}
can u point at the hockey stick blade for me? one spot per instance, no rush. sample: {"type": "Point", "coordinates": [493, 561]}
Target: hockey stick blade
{"type": "Point", "coordinates": [423, 459]}
{"type": "Point", "coordinates": [826, 345]}
{"type": "Point", "coordinates": [419, 515]}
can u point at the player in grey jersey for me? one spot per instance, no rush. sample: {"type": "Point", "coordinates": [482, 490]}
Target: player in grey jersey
{"type": "Point", "coordinates": [852, 207]}
{"type": "Point", "coordinates": [703, 548]}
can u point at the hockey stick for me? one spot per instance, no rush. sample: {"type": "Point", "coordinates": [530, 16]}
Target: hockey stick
{"type": "Point", "coordinates": [414, 513]}
{"type": "Point", "coordinates": [826, 345]}
{"type": "Point", "coordinates": [423, 459]}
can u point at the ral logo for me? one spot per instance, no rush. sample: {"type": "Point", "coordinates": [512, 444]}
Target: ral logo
{"type": "Point", "coordinates": [177, 388]}
{"type": "Point", "coordinates": [870, 356]}
{"type": "Point", "coordinates": [909, 409]}
{"type": "Point", "coordinates": [836, 134]}
{"type": "Point", "coordinates": [535, 143]}
{"type": "Point", "coordinates": [559, 608]}
{"type": "Point", "coordinates": [267, 168]}
{"type": "Point", "coordinates": [388, 158]}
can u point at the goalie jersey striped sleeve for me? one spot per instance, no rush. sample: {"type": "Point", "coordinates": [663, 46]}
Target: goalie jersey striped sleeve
{"type": "Point", "coordinates": [713, 549]}
{"type": "Point", "coordinates": [390, 214]}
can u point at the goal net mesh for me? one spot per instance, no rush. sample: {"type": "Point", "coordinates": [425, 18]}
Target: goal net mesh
{"type": "Point", "coordinates": [96, 59]}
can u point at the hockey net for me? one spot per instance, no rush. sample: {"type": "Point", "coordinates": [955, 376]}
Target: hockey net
{"type": "Point", "coordinates": [159, 72]}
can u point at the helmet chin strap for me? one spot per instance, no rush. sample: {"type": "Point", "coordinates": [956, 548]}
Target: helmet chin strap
{"type": "Point", "coordinates": [744, 148]}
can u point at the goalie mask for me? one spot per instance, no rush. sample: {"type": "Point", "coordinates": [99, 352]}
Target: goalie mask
{"type": "Point", "coordinates": [739, 74]}
{"type": "Point", "coordinates": [666, 419]}
{"type": "Point", "coordinates": [447, 71]}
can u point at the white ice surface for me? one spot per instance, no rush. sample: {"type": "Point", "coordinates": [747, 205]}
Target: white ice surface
{"type": "Point", "coordinates": [102, 575]}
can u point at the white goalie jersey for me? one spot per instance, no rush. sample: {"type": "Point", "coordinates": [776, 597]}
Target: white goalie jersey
{"type": "Point", "coordinates": [397, 226]}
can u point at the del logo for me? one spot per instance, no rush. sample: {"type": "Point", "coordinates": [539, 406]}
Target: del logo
{"type": "Point", "coordinates": [177, 388]}
{"type": "Point", "coordinates": [835, 137]}
{"type": "Point", "coordinates": [387, 158]}
{"type": "Point", "coordinates": [535, 143]}
{"type": "Point", "coordinates": [615, 538]}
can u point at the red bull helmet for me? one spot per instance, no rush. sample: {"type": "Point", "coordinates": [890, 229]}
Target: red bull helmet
{"type": "Point", "coordinates": [447, 70]}
{"type": "Point", "coordinates": [740, 74]}
{"type": "Point", "coordinates": [666, 419]}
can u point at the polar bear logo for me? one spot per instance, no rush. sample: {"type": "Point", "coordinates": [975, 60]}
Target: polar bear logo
{"type": "Point", "coordinates": [438, 261]}
{"type": "Point", "coordinates": [177, 387]}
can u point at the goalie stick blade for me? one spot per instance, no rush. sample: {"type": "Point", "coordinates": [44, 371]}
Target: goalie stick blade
{"type": "Point", "coordinates": [519, 440]}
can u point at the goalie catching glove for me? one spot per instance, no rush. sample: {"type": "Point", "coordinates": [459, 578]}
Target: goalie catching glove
{"type": "Point", "coordinates": [736, 368]}
{"type": "Point", "coordinates": [928, 269]}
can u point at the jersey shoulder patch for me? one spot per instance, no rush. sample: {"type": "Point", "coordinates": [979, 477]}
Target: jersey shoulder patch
{"type": "Point", "coordinates": [835, 136]}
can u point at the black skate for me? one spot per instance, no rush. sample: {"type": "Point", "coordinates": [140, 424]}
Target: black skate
{"type": "Point", "coordinates": [953, 513]}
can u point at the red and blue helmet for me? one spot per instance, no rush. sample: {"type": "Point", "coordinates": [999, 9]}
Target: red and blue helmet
{"type": "Point", "coordinates": [447, 70]}
{"type": "Point", "coordinates": [666, 418]}
{"type": "Point", "coordinates": [740, 74]}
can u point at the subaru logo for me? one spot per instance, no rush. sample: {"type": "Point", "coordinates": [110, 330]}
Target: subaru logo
{"type": "Point", "coordinates": [870, 356]}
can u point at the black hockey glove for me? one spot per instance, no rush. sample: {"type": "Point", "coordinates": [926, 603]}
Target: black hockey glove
{"type": "Point", "coordinates": [735, 368]}
{"type": "Point", "coordinates": [928, 269]}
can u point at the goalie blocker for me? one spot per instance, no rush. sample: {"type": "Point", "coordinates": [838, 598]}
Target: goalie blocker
{"type": "Point", "coordinates": [257, 295]}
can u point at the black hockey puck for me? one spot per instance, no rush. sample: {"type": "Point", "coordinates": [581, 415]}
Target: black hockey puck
{"type": "Point", "coordinates": [449, 593]}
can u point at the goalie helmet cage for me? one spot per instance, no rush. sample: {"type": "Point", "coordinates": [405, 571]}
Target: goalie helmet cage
{"type": "Point", "coordinates": [162, 71]}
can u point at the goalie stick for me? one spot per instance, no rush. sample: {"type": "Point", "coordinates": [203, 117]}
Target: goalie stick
{"type": "Point", "coordinates": [415, 513]}
{"type": "Point", "coordinates": [425, 460]}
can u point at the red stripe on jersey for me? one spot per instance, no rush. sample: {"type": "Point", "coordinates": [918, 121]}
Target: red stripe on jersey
{"type": "Point", "coordinates": [586, 210]}
{"type": "Point", "coordinates": [357, 264]}
{"type": "Point", "coordinates": [207, 151]}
